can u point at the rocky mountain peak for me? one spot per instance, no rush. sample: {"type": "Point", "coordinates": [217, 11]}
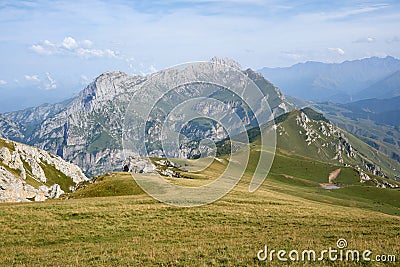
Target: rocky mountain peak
{"type": "Point", "coordinates": [106, 87]}
{"type": "Point", "coordinates": [110, 76]}
{"type": "Point", "coordinates": [227, 61]}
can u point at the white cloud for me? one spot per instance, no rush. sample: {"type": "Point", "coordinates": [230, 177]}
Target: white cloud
{"type": "Point", "coordinates": [3, 82]}
{"type": "Point", "coordinates": [152, 69]}
{"type": "Point", "coordinates": [32, 78]}
{"type": "Point", "coordinates": [87, 53]}
{"type": "Point", "coordinates": [70, 46]}
{"type": "Point", "coordinates": [41, 50]}
{"type": "Point", "coordinates": [86, 43]}
{"type": "Point", "coordinates": [46, 48]}
{"type": "Point", "coordinates": [84, 80]}
{"type": "Point", "coordinates": [51, 83]}
{"type": "Point", "coordinates": [48, 43]}
{"type": "Point", "coordinates": [354, 11]}
{"type": "Point", "coordinates": [69, 43]}
{"type": "Point", "coordinates": [338, 50]}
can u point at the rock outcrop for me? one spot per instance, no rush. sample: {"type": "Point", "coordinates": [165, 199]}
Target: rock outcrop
{"type": "Point", "coordinates": [30, 174]}
{"type": "Point", "coordinates": [138, 165]}
{"type": "Point", "coordinates": [165, 167]}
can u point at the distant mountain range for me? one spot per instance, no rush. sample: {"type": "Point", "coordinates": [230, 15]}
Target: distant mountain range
{"type": "Point", "coordinates": [381, 111]}
{"type": "Point", "coordinates": [385, 88]}
{"type": "Point", "coordinates": [339, 82]}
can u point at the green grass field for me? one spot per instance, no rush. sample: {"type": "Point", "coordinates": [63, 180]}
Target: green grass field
{"type": "Point", "coordinates": [113, 223]}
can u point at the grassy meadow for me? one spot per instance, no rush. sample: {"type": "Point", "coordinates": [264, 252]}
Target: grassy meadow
{"type": "Point", "coordinates": [113, 223]}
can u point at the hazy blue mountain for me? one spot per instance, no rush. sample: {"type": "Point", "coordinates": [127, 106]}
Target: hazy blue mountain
{"type": "Point", "coordinates": [385, 88]}
{"type": "Point", "coordinates": [381, 111]}
{"type": "Point", "coordinates": [335, 82]}
{"type": "Point", "coordinates": [375, 121]}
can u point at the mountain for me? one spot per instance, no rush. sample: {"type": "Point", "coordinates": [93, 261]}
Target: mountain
{"type": "Point", "coordinates": [375, 121]}
{"type": "Point", "coordinates": [28, 173]}
{"type": "Point", "coordinates": [385, 88]}
{"type": "Point", "coordinates": [87, 130]}
{"type": "Point", "coordinates": [381, 111]}
{"type": "Point", "coordinates": [33, 116]}
{"type": "Point", "coordinates": [335, 82]}
{"type": "Point", "coordinates": [308, 133]}
{"type": "Point", "coordinates": [11, 128]}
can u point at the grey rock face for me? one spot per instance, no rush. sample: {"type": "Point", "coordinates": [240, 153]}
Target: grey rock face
{"type": "Point", "coordinates": [13, 189]}
{"type": "Point", "coordinates": [19, 162]}
{"type": "Point", "coordinates": [384, 184]}
{"type": "Point", "coordinates": [11, 129]}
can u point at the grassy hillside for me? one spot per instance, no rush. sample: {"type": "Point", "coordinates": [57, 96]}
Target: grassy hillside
{"type": "Point", "coordinates": [107, 185]}
{"type": "Point", "coordinates": [384, 138]}
{"type": "Point", "coordinates": [314, 136]}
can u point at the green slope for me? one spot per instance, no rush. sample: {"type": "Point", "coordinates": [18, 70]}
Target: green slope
{"type": "Point", "coordinates": [310, 134]}
{"type": "Point", "coordinates": [107, 185]}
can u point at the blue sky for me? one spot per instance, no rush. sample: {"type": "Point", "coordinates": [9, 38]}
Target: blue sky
{"type": "Point", "coordinates": [50, 50]}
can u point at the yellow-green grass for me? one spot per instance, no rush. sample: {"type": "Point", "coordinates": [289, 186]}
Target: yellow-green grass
{"type": "Point", "coordinates": [289, 211]}
{"type": "Point", "coordinates": [107, 185]}
{"type": "Point", "coordinates": [139, 231]}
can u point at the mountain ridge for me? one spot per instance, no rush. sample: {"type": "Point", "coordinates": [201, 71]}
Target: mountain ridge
{"type": "Point", "coordinates": [385, 88]}
{"type": "Point", "coordinates": [335, 82]}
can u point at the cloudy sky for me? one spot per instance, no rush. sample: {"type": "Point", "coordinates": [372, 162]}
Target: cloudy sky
{"type": "Point", "coordinates": [51, 49]}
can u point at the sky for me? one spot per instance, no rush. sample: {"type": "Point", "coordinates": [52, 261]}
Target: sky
{"type": "Point", "coordinates": [50, 50]}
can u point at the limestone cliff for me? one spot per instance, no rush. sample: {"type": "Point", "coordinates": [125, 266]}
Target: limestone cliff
{"type": "Point", "coordinates": [30, 174]}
